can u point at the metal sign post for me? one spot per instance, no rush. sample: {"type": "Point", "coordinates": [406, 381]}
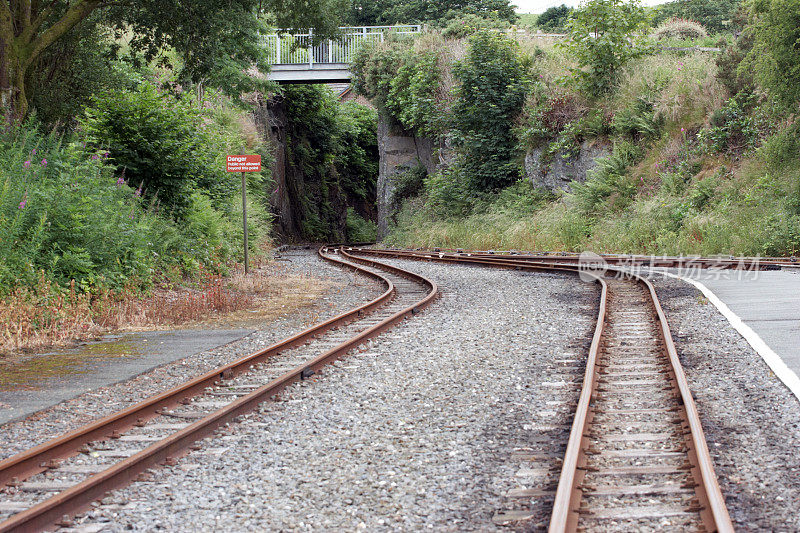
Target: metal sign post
{"type": "Point", "coordinates": [244, 164]}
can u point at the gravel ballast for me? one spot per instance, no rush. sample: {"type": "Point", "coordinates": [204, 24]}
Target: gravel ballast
{"type": "Point", "coordinates": [423, 429]}
{"type": "Point", "coordinates": [349, 290]}
{"type": "Point", "coordinates": [750, 419]}
{"type": "Point", "coordinates": [432, 424]}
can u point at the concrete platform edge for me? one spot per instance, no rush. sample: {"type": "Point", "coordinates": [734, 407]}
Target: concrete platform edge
{"type": "Point", "coordinates": [773, 360]}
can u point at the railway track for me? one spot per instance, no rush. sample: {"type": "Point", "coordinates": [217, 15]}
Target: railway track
{"type": "Point", "coordinates": [48, 484]}
{"type": "Point", "coordinates": [636, 459]}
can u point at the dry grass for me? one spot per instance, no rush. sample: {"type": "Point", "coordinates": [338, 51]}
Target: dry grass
{"type": "Point", "coordinates": [684, 88]}
{"type": "Point", "coordinates": [44, 316]}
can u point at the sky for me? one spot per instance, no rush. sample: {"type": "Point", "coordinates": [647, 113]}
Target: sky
{"type": "Point", "coordinates": [538, 6]}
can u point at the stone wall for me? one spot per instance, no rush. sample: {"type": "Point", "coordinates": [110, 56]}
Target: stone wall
{"type": "Point", "coordinates": [556, 172]}
{"type": "Point", "coordinates": [398, 151]}
{"type": "Point", "coordinates": [298, 201]}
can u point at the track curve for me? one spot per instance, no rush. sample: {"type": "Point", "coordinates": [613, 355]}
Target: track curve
{"type": "Point", "coordinates": [83, 465]}
{"type": "Point", "coordinates": [691, 482]}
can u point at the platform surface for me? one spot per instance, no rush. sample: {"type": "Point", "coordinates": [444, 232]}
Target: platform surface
{"type": "Point", "coordinates": [768, 302]}
{"type": "Point", "coordinates": [43, 380]}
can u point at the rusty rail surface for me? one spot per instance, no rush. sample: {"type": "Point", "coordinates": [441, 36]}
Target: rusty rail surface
{"type": "Point", "coordinates": [565, 514]}
{"type": "Point", "coordinates": [80, 496]}
{"type": "Point", "coordinates": [729, 263]}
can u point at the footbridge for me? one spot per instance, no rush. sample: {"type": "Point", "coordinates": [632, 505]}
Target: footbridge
{"type": "Point", "coordinates": [297, 58]}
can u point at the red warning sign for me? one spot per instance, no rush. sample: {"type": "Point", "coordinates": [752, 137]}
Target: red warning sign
{"type": "Point", "coordinates": [244, 163]}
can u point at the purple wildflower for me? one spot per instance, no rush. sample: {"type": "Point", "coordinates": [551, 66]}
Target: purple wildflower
{"type": "Point", "coordinates": [95, 156]}
{"type": "Point", "coordinates": [24, 201]}
{"type": "Point", "coordinates": [138, 191]}
{"type": "Point", "coordinates": [44, 162]}
{"type": "Point", "coordinates": [120, 181]}
{"type": "Point", "coordinates": [682, 130]}
{"type": "Point", "coordinates": [33, 152]}
{"type": "Point", "coordinates": [26, 164]}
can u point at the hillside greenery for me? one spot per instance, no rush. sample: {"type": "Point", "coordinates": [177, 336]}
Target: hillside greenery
{"type": "Point", "coordinates": [704, 157]}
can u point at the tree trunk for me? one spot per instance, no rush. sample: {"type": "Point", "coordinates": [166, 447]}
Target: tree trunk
{"type": "Point", "coordinates": [22, 40]}
{"type": "Point", "coordinates": [13, 70]}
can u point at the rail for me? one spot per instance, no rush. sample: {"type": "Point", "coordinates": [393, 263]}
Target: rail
{"type": "Point", "coordinates": [714, 512]}
{"type": "Point", "coordinates": [286, 48]}
{"type": "Point", "coordinates": [78, 497]}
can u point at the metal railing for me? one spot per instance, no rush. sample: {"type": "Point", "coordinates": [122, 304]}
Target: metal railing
{"type": "Point", "coordinates": [299, 48]}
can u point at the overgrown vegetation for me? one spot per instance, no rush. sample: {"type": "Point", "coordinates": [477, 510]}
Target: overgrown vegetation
{"type": "Point", "coordinates": [333, 158]}
{"type": "Point", "coordinates": [117, 121]}
{"type": "Point", "coordinates": [702, 155]}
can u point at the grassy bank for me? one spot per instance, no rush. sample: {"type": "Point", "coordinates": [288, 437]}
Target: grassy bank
{"type": "Point", "coordinates": [702, 159]}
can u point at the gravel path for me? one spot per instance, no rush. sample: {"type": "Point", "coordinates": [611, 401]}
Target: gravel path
{"type": "Point", "coordinates": [408, 434]}
{"type": "Point", "coordinates": [751, 421]}
{"type": "Point", "coordinates": [350, 290]}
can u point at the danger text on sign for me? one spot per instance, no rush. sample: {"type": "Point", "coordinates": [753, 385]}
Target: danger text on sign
{"type": "Point", "coordinates": [244, 163]}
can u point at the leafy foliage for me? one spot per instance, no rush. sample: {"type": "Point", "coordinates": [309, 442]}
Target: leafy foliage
{"type": "Point", "coordinates": [603, 37]}
{"type": "Point", "coordinates": [738, 125]}
{"type": "Point", "coordinates": [376, 12]}
{"type": "Point", "coordinates": [554, 18]}
{"type": "Point", "coordinates": [776, 54]}
{"type": "Point", "coordinates": [469, 24]}
{"type": "Point", "coordinates": [64, 211]}
{"type": "Point", "coordinates": [69, 73]}
{"type": "Point", "coordinates": [161, 143]}
{"type": "Point", "coordinates": [494, 80]}
{"type": "Point", "coordinates": [715, 15]}
{"type": "Point", "coordinates": [610, 177]}
{"type": "Point", "coordinates": [359, 229]}
{"type": "Point", "coordinates": [332, 154]}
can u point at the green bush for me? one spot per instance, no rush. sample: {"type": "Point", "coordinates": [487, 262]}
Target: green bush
{"type": "Point", "coordinates": [163, 143]}
{"type": "Point", "coordinates": [469, 24]}
{"type": "Point", "coordinates": [554, 19]}
{"type": "Point", "coordinates": [493, 83]}
{"type": "Point", "coordinates": [603, 37]}
{"type": "Point", "coordinates": [403, 79]}
{"type": "Point", "coordinates": [412, 94]}
{"type": "Point", "coordinates": [359, 229]}
{"type": "Point", "coordinates": [638, 121]}
{"type": "Point", "coordinates": [62, 210]}
{"type": "Point", "coordinates": [716, 15]}
{"type": "Point", "coordinates": [775, 56]}
{"type": "Point", "coordinates": [408, 183]}
{"type": "Point", "coordinates": [737, 126]}
{"type": "Point", "coordinates": [449, 193]}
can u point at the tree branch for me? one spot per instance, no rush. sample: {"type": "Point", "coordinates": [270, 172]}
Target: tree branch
{"type": "Point", "coordinates": [42, 16]}
{"type": "Point", "coordinates": [75, 14]}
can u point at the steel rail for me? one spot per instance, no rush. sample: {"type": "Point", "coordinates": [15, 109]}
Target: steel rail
{"type": "Point", "coordinates": [744, 263]}
{"type": "Point", "coordinates": [28, 463]}
{"type": "Point", "coordinates": [80, 496]}
{"type": "Point", "coordinates": [564, 517]}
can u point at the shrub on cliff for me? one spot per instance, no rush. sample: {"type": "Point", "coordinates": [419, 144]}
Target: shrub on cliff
{"type": "Point", "coordinates": [603, 36]}
{"type": "Point", "coordinates": [493, 81]}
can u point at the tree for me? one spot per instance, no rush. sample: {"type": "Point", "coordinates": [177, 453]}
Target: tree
{"type": "Point", "coordinates": [372, 12]}
{"type": "Point", "coordinates": [776, 48]}
{"type": "Point", "coordinates": [603, 36]}
{"type": "Point", "coordinates": [208, 34]}
{"type": "Point", "coordinates": [494, 80]}
{"type": "Point", "coordinates": [554, 18]}
{"type": "Point", "coordinates": [715, 15]}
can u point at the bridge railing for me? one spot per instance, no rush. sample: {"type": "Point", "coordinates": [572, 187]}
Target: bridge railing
{"type": "Point", "coordinates": [299, 48]}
